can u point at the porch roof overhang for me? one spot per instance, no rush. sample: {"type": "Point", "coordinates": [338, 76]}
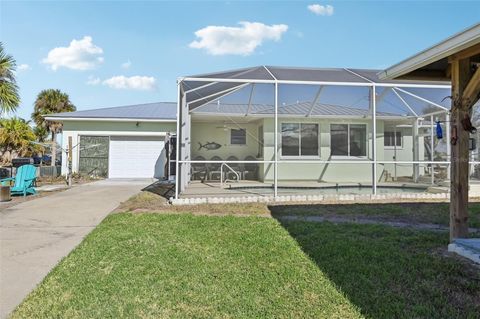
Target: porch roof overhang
{"type": "Point", "coordinates": [432, 64]}
{"type": "Point", "coordinates": [201, 89]}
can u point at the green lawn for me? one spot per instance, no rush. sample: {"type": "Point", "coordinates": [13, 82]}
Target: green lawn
{"type": "Point", "coordinates": [167, 266]}
{"type": "Point", "coordinates": [430, 213]}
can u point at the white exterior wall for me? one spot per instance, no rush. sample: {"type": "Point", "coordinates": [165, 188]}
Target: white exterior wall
{"type": "Point", "coordinates": [75, 129]}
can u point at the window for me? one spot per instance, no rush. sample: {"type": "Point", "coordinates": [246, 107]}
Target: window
{"type": "Point", "coordinates": [299, 139]}
{"type": "Point", "coordinates": [392, 139]}
{"type": "Point", "coordinates": [348, 139]}
{"type": "Point", "coordinates": [238, 136]}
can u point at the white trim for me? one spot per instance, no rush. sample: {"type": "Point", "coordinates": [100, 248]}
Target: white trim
{"type": "Point", "coordinates": [358, 75]}
{"type": "Point", "coordinates": [432, 149]}
{"type": "Point", "coordinates": [250, 99]}
{"type": "Point", "coordinates": [350, 161]}
{"type": "Point", "coordinates": [116, 133]}
{"type": "Point", "coordinates": [348, 157]}
{"type": "Point", "coordinates": [404, 102]}
{"type": "Point", "coordinates": [373, 100]}
{"type": "Point", "coordinates": [315, 100]}
{"type": "Point", "coordinates": [423, 99]}
{"type": "Point", "coordinates": [406, 85]}
{"type": "Point", "coordinates": [224, 92]}
{"type": "Point", "coordinates": [293, 158]}
{"type": "Point", "coordinates": [200, 114]}
{"type": "Point", "coordinates": [109, 119]}
{"type": "Point", "coordinates": [177, 140]}
{"type": "Point", "coordinates": [199, 87]}
{"type": "Point", "coordinates": [275, 143]}
{"type": "Point", "coordinates": [271, 74]}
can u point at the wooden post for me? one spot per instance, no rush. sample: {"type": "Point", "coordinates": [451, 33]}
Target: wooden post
{"type": "Point", "coordinates": [70, 149]}
{"type": "Point", "coordinates": [459, 148]}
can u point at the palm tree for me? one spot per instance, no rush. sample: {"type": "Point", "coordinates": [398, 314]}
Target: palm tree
{"type": "Point", "coordinates": [48, 102]}
{"type": "Point", "coordinates": [17, 139]}
{"type": "Point", "coordinates": [41, 133]}
{"type": "Point", "coordinates": [9, 97]}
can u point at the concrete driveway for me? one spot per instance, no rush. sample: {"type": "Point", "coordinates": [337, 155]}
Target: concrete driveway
{"type": "Point", "coordinates": [37, 234]}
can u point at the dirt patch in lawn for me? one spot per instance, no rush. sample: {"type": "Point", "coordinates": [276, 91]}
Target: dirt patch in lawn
{"type": "Point", "coordinates": [147, 202]}
{"type": "Point", "coordinates": [425, 215]}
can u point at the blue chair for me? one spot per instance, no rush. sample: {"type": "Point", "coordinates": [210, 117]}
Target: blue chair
{"type": "Point", "coordinates": [24, 181]}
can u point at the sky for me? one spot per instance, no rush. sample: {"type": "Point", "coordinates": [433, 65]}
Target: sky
{"type": "Point", "coordinates": [107, 54]}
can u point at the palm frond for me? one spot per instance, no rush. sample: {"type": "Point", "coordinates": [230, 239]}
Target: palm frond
{"type": "Point", "coordinates": [9, 96]}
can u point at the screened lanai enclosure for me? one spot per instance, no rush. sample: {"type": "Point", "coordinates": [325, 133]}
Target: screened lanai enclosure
{"type": "Point", "coordinates": [277, 130]}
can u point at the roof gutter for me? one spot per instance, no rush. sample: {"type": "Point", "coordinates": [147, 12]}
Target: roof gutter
{"type": "Point", "coordinates": [107, 119]}
{"type": "Point", "coordinates": [446, 48]}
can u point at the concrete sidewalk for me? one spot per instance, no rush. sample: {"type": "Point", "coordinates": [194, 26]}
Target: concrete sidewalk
{"type": "Point", "coordinates": [37, 234]}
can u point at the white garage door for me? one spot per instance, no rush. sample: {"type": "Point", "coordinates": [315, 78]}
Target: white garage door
{"type": "Point", "coordinates": [136, 157]}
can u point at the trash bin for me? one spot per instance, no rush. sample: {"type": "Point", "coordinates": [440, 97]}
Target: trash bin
{"type": "Point", "coordinates": [4, 193]}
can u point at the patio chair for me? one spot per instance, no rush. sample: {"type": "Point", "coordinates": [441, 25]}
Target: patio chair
{"type": "Point", "coordinates": [236, 167]}
{"type": "Point", "coordinates": [23, 181]}
{"type": "Point", "coordinates": [214, 169]}
{"type": "Point", "coordinates": [250, 171]}
{"type": "Point", "coordinates": [199, 169]}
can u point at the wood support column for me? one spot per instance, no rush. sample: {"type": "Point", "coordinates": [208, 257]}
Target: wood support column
{"type": "Point", "coordinates": [459, 151]}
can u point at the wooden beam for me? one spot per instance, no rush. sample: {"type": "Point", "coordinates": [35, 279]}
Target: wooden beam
{"type": "Point", "coordinates": [472, 90]}
{"type": "Point", "coordinates": [426, 75]}
{"type": "Point", "coordinates": [459, 152]}
{"type": "Point", "coordinates": [465, 54]}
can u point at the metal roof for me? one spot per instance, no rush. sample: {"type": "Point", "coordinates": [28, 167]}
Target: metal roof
{"type": "Point", "coordinates": [433, 61]}
{"type": "Point", "coordinates": [299, 109]}
{"type": "Point", "coordinates": [162, 111]}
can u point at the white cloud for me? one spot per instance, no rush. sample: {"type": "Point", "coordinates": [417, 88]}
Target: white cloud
{"type": "Point", "coordinates": [131, 83]}
{"type": "Point", "coordinates": [320, 10]}
{"type": "Point", "coordinates": [93, 80]}
{"type": "Point", "coordinates": [126, 65]}
{"type": "Point", "coordinates": [79, 55]}
{"type": "Point", "coordinates": [23, 67]}
{"type": "Point", "coordinates": [242, 40]}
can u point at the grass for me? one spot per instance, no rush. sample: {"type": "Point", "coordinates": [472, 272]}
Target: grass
{"type": "Point", "coordinates": [177, 266]}
{"type": "Point", "coordinates": [428, 213]}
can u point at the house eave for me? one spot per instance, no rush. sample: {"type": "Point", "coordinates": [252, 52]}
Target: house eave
{"type": "Point", "coordinates": [440, 51]}
{"type": "Point", "coordinates": [105, 119]}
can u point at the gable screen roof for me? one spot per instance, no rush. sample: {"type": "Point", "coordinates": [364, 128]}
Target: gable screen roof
{"type": "Point", "coordinates": [161, 111]}
{"type": "Point", "coordinates": [204, 88]}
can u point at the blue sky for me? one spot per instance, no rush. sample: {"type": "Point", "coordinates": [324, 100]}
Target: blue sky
{"type": "Point", "coordinates": [133, 52]}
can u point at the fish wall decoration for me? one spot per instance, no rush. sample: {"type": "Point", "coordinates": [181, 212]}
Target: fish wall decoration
{"type": "Point", "coordinates": [209, 146]}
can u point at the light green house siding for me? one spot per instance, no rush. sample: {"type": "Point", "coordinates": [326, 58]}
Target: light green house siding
{"type": "Point", "coordinates": [203, 133]}
{"type": "Point", "coordinates": [355, 172]}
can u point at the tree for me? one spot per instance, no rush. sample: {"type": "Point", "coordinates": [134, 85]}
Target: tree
{"type": "Point", "coordinates": [48, 102]}
{"type": "Point", "coordinates": [9, 97]}
{"type": "Point", "coordinates": [16, 139]}
{"type": "Point", "coordinates": [41, 133]}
